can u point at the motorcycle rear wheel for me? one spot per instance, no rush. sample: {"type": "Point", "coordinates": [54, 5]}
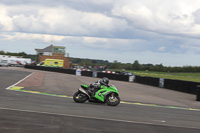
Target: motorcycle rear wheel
{"type": "Point", "coordinates": [80, 97]}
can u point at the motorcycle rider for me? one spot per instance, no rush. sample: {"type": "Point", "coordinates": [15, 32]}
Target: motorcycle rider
{"type": "Point", "coordinates": [94, 87]}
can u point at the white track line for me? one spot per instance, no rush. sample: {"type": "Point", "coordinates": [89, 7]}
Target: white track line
{"type": "Point", "coordinates": [107, 119]}
{"type": "Point", "coordinates": [20, 81]}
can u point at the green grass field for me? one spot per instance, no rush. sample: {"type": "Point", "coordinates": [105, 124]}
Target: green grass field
{"type": "Point", "coordinates": [195, 77]}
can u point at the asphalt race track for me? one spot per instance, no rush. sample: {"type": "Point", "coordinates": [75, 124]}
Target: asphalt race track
{"type": "Point", "coordinates": [22, 112]}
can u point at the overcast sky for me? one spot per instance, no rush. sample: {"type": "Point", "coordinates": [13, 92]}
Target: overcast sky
{"type": "Point", "coordinates": [150, 31]}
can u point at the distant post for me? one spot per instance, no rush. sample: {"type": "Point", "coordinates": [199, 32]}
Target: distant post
{"type": "Point", "coordinates": [161, 82]}
{"type": "Point", "coordinates": [198, 92]}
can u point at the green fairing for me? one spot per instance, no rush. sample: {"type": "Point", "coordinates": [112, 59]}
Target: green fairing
{"type": "Point", "coordinates": [86, 86]}
{"type": "Point", "coordinates": [104, 90]}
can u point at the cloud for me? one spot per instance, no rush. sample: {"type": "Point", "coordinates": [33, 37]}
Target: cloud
{"type": "Point", "coordinates": [114, 27]}
{"type": "Point", "coordinates": [81, 5]}
{"type": "Point", "coordinates": [5, 21]}
{"type": "Point", "coordinates": [175, 45]}
{"type": "Point", "coordinates": [168, 17]}
{"type": "Point", "coordinates": [192, 46]}
{"type": "Point", "coordinates": [161, 49]}
{"type": "Point", "coordinates": [89, 42]}
{"type": "Point", "coordinates": [119, 19]}
{"type": "Point", "coordinates": [196, 15]}
{"type": "Point", "coordinates": [59, 20]}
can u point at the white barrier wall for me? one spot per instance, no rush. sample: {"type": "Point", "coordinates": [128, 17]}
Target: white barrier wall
{"type": "Point", "coordinates": [78, 72]}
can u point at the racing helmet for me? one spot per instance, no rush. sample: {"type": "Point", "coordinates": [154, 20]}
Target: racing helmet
{"type": "Point", "coordinates": [104, 81]}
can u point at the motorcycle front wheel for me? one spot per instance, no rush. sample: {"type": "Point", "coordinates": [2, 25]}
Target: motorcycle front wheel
{"type": "Point", "coordinates": [80, 97]}
{"type": "Point", "coordinates": [113, 100]}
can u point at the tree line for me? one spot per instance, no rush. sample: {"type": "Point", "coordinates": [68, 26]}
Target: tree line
{"type": "Point", "coordinates": [23, 54]}
{"type": "Point", "coordinates": [20, 54]}
{"type": "Point", "coordinates": [116, 65]}
{"type": "Point", "coordinates": [150, 67]}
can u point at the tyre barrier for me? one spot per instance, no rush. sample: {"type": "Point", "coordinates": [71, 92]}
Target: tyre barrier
{"type": "Point", "coordinates": [52, 69]}
{"type": "Point", "coordinates": [87, 73]}
{"type": "Point", "coordinates": [113, 76]}
{"type": "Point", "coordinates": [198, 93]}
{"type": "Point", "coordinates": [147, 80]}
{"type": "Point", "coordinates": [183, 86]}
{"type": "Point", "coordinates": [177, 85]}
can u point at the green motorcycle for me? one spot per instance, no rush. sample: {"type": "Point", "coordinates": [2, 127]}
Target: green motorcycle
{"type": "Point", "coordinates": [109, 95]}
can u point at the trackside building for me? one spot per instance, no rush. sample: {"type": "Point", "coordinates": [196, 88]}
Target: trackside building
{"type": "Point", "coordinates": [53, 52]}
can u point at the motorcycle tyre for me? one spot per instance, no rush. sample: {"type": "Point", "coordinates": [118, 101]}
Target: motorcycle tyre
{"type": "Point", "coordinates": [82, 100]}
{"type": "Point", "coordinates": [111, 103]}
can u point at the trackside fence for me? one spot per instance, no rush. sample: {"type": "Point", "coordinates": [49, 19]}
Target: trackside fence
{"type": "Point", "coordinates": [87, 73]}
{"type": "Point", "coordinates": [177, 85]}
{"type": "Point", "coordinates": [52, 69]}
{"type": "Point", "coordinates": [183, 86]}
{"type": "Point", "coordinates": [147, 80]}
{"type": "Point", "coordinates": [113, 76]}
